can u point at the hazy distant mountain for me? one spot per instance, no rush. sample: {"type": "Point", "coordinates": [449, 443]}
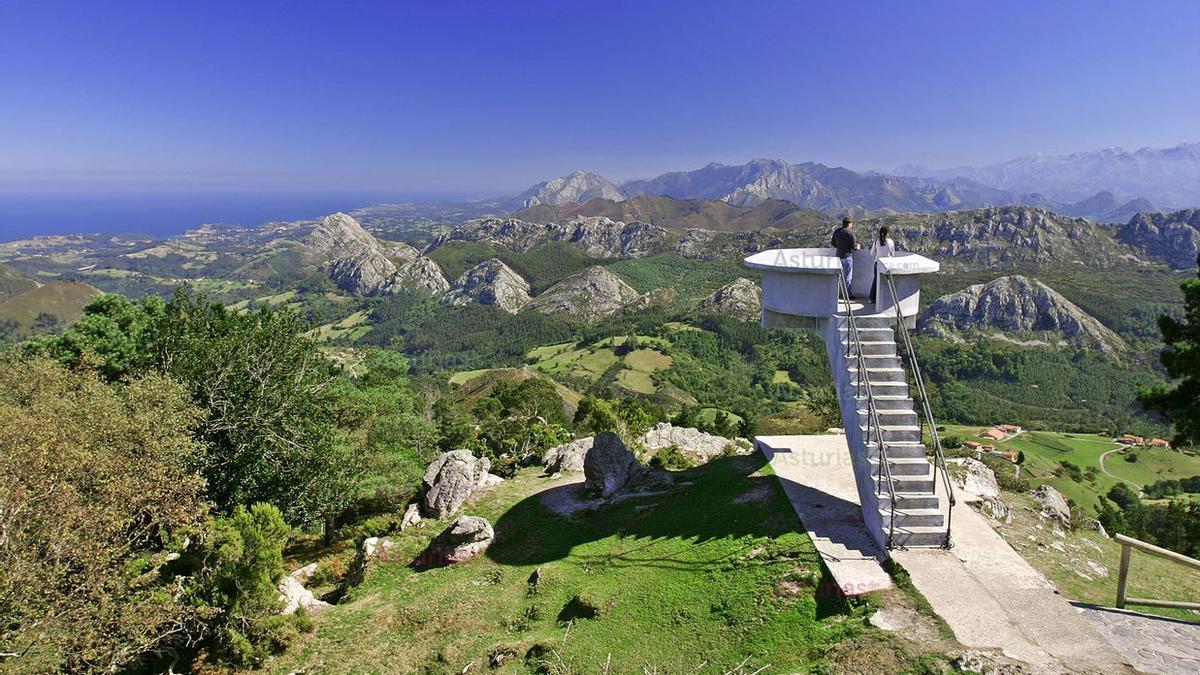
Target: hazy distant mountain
{"type": "Point", "coordinates": [576, 187]}
{"type": "Point", "coordinates": [1168, 177]}
{"type": "Point", "coordinates": [674, 213]}
{"type": "Point", "coordinates": [1104, 207]}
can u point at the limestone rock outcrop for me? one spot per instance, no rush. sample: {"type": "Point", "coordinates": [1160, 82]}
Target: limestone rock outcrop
{"type": "Point", "coordinates": [740, 298]}
{"type": "Point", "coordinates": [568, 456]}
{"type": "Point", "coordinates": [295, 596]}
{"type": "Point", "coordinates": [578, 187]}
{"type": "Point", "coordinates": [591, 295]}
{"type": "Point", "coordinates": [1054, 504]}
{"type": "Point", "coordinates": [1019, 309]}
{"type": "Point", "coordinates": [1173, 237]}
{"type": "Point", "coordinates": [699, 445]}
{"type": "Point", "coordinates": [451, 479]}
{"type": "Point", "coordinates": [491, 282]}
{"type": "Point", "coordinates": [358, 263]}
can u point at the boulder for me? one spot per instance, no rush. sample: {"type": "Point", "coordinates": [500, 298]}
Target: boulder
{"type": "Point", "coordinates": [449, 481]}
{"type": "Point", "coordinates": [483, 477]}
{"type": "Point", "coordinates": [376, 546]}
{"type": "Point", "coordinates": [568, 456]}
{"type": "Point", "coordinates": [294, 595]}
{"type": "Point", "coordinates": [700, 445]}
{"type": "Point", "coordinates": [1053, 504]}
{"type": "Point", "coordinates": [412, 517]}
{"type": "Point", "coordinates": [610, 468]}
{"type": "Point", "coordinates": [466, 538]}
{"type": "Point", "coordinates": [977, 480]}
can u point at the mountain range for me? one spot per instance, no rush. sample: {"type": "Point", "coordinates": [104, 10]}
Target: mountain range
{"type": "Point", "coordinates": [1168, 177]}
{"type": "Point", "coordinates": [837, 190]}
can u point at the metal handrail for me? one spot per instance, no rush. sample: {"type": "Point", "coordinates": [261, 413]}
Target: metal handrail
{"type": "Point", "coordinates": [919, 380]}
{"type": "Point", "coordinates": [864, 381]}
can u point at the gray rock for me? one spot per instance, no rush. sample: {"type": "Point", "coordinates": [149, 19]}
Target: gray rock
{"type": "Point", "coordinates": [491, 282]}
{"type": "Point", "coordinates": [448, 482]}
{"type": "Point", "coordinates": [610, 468]}
{"type": "Point", "coordinates": [568, 456]}
{"type": "Point", "coordinates": [1019, 309]}
{"type": "Point", "coordinates": [1173, 237]}
{"type": "Point", "coordinates": [699, 445]}
{"type": "Point", "coordinates": [376, 546]}
{"type": "Point", "coordinates": [1053, 504]}
{"type": "Point", "coordinates": [466, 538]}
{"type": "Point", "coordinates": [977, 480]}
{"type": "Point", "coordinates": [420, 274]}
{"type": "Point", "coordinates": [596, 236]}
{"type": "Point", "coordinates": [357, 262]}
{"type": "Point", "coordinates": [740, 298]}
{"type": "Point", "coordinates": [412, 517]}
{"type": "Point", "coordinates": [591, 295]}
{"type": "Point", "coordinates": [295, 596]}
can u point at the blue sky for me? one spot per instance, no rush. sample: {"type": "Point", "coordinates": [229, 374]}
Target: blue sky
{"type": "Point", "coordinates": [488, 97]}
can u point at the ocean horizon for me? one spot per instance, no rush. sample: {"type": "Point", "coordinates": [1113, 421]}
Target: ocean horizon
{"type": "Point", "coordinates": [163, 214]}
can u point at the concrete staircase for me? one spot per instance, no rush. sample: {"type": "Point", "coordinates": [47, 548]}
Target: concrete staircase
{"type": "Point", "coordinates": [911, 513]}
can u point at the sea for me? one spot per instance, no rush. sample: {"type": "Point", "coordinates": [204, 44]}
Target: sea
{"type": "Point", "coordinates": [163, 214]}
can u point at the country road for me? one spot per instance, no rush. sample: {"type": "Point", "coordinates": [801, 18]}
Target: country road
{"type": "Point", "coordinates": [1106, 473]}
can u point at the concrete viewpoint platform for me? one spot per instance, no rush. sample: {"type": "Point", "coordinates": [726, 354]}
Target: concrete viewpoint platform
{"type": "Point", "coordinates": [817, 476]}
{"type": "Point", "coordinates": [991, 598]}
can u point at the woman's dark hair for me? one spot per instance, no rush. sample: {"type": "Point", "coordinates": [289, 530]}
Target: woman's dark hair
{"type": "Point", "coordinates": [883, 234]}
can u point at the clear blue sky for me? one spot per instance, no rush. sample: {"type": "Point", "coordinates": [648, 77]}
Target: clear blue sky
{"type": "Point", "coordinates": [491, 96]}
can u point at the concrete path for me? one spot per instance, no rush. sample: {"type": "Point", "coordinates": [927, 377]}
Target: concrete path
{"type": "Point", "coordinates": [1153, 644]}
{"type": "Point", "coordinates": [993, 599]}
{"type": "Point", "coordinates": [819, 480]}
{"type": "Point", "coordinates": [989, 596]}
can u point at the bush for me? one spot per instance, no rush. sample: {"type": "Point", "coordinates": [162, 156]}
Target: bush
{"type": "Point", "coordinates": [672, 458]}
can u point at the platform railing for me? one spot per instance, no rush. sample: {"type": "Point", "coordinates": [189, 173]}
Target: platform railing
{"type": "Point", "coordinates": [939, 459]}
{"type": "Point", "coordinates": [1129, 543]}
{"type": "Point", "coordinates": [864, 386]}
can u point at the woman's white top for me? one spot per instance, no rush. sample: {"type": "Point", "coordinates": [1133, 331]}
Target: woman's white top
{"type": "Point", "coordinates": [885, 250]}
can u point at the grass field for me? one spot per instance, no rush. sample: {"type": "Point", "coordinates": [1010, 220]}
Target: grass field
{"type": "Point", "coordinates": [1044, 450]}
{"type": "Point", "coordinates": [588, 363]}
{"type": "Point", "coordinates": [715, 576]}
{"type": "Point", "coordinates": [693, 279]}
{"type": "Point", "coordinates": [349, 329]}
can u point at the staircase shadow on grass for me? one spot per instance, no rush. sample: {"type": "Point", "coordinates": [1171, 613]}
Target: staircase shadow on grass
{"type": "Point", "coordinates": [727, 498]}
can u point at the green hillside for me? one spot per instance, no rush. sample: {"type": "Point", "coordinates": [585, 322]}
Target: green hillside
{"type": "Point", "coordinates": [46, 309]}
{"type": "Point", "coordinates": [12, 282]}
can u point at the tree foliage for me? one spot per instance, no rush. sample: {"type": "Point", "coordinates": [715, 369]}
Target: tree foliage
{"type": "Point", "coordinates": [96, 498]}
{"type": "Point", "coordinates": [1180, 401]}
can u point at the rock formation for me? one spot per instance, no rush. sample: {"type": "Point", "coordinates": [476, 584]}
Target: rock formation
{"type": "Point", "coordinates": [451, 479]}
{"type": "Point", "coordinates": [1020, 309]}
{"type": "Point", "coordinates": [1171, 237]}
{"type": "Point", "coordinates": [568, 456]}
{"type": "Point", "coordinates": [699, 445]}
{"type": "Point", "coordinates": [977, 480]}
{"type": "Point", "coordinates": [358, 263]}
{"type": "Point", "coordinates": [294, 595]}
{"type": "Point", "coordinates": [1054, 504]}
{"type": "Point", "coordinates": [739, 298]}
{"type": "Point", "coordinates": [610, 468]}
{"type": "Point", "coordinates": [491, 282]}
{"type": "Point", "coordinates": [591, 295]}
{"type": "Point", "coordinates": [596, 236]}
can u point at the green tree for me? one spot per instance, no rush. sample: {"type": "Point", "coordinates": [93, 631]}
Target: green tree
{"type": "Point", "coordinates": [268, 423]}
{"type": "Point", "coordinates": [1180, 401]}
{"type": "Point", "coordinates": [1124, 497]}
{"type": "Point", "coordinates": [96, 498]}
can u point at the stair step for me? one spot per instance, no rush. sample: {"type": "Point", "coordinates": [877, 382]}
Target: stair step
{"type": "Point", "coordinates": [890, 416]}
{"type": "Point", "coordinates": [887, 401]}
{"type": "Point", "coordinates": [873, 347]}
{"type": "Point", "coordinates": [907, 518]}
{"type": "Point", "coordinates": [919, 536]}
{"type": "Point", "coordinates": [898, 449]}
{"type": "Point", "coordinates": [883, 388]}
{"type": "Point", "coordinates": [909, 501]}
{"type": "Point", "coordinates": [893, 433]}
{"type": "Point", "coordinates": [862, 322]}
{"type": "Point", "coordinates": [915, 485]}
{"type": "Point", "coordinates": [880, 374]}
{"type": "Point", "coordinates": [902, 466]}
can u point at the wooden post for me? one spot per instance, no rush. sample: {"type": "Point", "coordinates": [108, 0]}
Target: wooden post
{"type": "Point", "coordinates": [1122, 575]}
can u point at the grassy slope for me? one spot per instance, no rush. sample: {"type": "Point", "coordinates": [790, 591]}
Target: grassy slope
{"type": "Point", "coordinates": [1065, 561]}
{"type": "Point", "coordinates": [12, 282]}
{"type": "Point", "coordinates": [590, 362]}
{"type": "Point", "coordinates": [542, 267]}
{"type": "Point", "coordinates": [63, 299]}
{"type": "Point", "coordinates": [697, 580]}
{"type": "Point", "coordinates": [687, 213]}
{"type": "Point", "coordinates": [1044, 450]}
{"type": "Point", "coordinates": [692, 279]}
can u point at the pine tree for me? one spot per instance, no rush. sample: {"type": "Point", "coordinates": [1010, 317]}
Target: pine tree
{"type": "Point", "coordinates": [1180, 401]}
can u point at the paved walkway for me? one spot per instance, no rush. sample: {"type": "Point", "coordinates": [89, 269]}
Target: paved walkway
{"type": "Point", "coordinates": [817, 476]}
{"type": "Point", "coordinates": [989, 596]}
{"type": "Point", "coordinates": [1153, 644]}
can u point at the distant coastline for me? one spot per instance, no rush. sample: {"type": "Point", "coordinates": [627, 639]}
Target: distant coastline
{"type": "Point", "coordinates": [164, 214]}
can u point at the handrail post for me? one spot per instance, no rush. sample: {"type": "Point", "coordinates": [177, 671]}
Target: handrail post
{"type": "Point", "coordinates": [1122, 575]}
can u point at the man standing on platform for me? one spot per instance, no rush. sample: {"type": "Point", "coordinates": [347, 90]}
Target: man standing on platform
{"type": "Point", "coordinates": [846, 245]}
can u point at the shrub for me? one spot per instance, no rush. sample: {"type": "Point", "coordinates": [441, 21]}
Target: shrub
{"type": "Point", "coordinates": [672, 458]}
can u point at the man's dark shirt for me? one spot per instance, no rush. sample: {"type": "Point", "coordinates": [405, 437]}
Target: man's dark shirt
{"type": "Point", "coordinates": [843, 241]}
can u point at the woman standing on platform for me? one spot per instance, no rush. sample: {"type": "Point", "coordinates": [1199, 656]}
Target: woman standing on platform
{"type": "Point", "coordinates": [884, 247]}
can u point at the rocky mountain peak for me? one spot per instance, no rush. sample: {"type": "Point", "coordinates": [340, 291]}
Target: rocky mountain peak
{"type": "Point", "coordinates": [579, 187]}
{"type": "Point", "coordinates": [1173, 237]}
{"type": "Point", "coordinates": [1017, 309]}
{"type": "Point", "coordinates": [491, 282]}
{"type": "Point", "coordinates": [591, 295]}
{"type": "Point", "coordinates": [357, 262]}
{"type": "Point", "coordinates": [739, 298]}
